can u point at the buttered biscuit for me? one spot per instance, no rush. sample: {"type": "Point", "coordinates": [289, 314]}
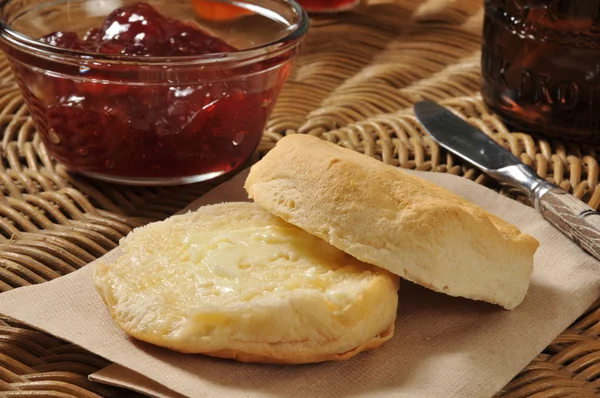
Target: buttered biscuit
{"type": "Point", "coordinates": [384, 216]}
{"type": "Point", "coordinates": [233, 281]}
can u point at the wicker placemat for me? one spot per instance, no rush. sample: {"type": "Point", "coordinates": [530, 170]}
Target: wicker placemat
{"type": "Point", "coordinates": [354, 85]}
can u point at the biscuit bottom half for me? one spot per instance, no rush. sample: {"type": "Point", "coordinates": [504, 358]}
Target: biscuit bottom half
{"type": "Point", "coordinates": [233, 281]}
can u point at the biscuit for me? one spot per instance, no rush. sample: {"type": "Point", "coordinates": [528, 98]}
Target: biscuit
{"type": "Point", "coordinates": [233, 281]}
{"type": "Point", "coordinates": [386, 217]}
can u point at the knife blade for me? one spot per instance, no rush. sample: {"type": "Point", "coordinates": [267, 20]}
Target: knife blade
{"type": "Point", "coordinates": [570, 215]}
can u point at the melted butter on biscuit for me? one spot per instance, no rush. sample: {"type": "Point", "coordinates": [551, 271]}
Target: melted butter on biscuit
{"type": "Point", "coordinates": [245, 260]}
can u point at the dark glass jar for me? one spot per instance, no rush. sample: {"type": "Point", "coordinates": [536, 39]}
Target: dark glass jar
{"type": "Point", "coordinates": [541, 66]}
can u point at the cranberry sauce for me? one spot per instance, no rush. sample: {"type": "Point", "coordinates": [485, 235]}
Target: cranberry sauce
{"type": "Point", "coordinates": [184, 126]}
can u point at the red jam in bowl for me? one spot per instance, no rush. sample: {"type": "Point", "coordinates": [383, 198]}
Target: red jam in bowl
{"type": "Point", "coordinates": [194, 124]}
{"type": "Point", "coordinates": [141, 30]}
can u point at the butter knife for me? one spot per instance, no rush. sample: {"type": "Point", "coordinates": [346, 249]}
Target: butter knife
{"type": "Point", "coordinates": [574, 218]}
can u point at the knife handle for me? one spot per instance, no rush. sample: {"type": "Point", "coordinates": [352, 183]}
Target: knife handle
{"type": "Point", "coordinates": [568, 214]}
{"type": "Point", "coordinates": [574, 218]}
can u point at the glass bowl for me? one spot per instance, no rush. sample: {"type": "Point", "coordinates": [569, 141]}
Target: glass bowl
{"type": "Point", "coordinates": [150, 120]}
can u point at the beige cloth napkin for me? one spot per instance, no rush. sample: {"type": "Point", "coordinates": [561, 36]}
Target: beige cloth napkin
{"type": "Point", "coordinates": [443, 346]}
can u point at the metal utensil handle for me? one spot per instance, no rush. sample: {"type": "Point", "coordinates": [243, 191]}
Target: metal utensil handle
{"type": "Point", "coordinates": [571, 216]}
{"type": "Point", "coordinates": [574, 218]}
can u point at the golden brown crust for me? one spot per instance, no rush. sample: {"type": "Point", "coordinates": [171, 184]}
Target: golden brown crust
{"type": "Point", "coordinates": [394, 220]}
{"type": "Point", "coordinates": [241, 356]}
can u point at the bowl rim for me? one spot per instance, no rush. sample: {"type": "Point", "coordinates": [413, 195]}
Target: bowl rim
{"type": "Point", "coordinates": [297, 32]}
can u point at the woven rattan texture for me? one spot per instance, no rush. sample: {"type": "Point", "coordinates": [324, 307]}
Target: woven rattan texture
{"type": "Point", "coordinates": [354, 85]}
